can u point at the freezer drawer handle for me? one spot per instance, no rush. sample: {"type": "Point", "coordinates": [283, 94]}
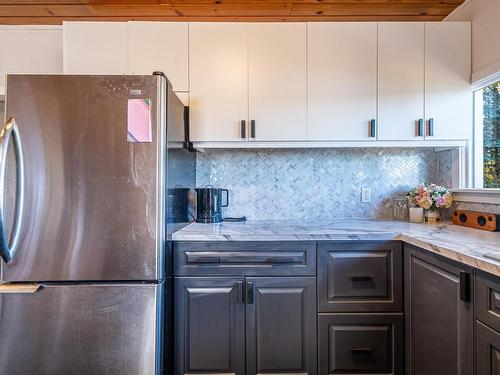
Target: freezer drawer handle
{"type": "Point", "coordinates": [7, 288]}
{"type": "Point", "coordinates": [8, 248]}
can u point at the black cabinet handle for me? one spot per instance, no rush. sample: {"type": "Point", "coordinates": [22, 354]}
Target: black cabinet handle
{"type": "Point", "coordinates": [243, 129]}
{"type": "Point", "coordinates": [361, 349]}
{"type": "Point", "coordinates": [373, 129]}
{"type": "Point", "coordinates": [252, 128]}
{"type": "Point", "coordinates": [465, 286]}
{"type": "Point", "coordinates": [430, 133]}
{"type": "Point", "coordinates": [420, 128]}
{"type": "Point", "coordinates": [241, 292]}
{"type": "Point", "coordinates": [250, 292]}
{"type": "Point", "coordinates": [361, 277]}
{"type": "Point", "coordinates": [280, 260]}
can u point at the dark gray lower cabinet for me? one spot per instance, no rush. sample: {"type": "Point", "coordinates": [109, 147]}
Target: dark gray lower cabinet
{"type": "Point", "coordinates": [361, 344]}
{"type": "Point", "coordinates": [488, 350]}
{"type": "Point", "coordinates": [439, 315]}
{"type": "Point", "coordinates": [209, 326]}
{"type": "Point", "coordinates": [281, 325]}
{"type": "Point", "coordinates": [277, 313]}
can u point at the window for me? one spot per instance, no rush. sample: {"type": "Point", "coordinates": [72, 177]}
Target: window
{"type": "Point", "coordinates": [487, 136]}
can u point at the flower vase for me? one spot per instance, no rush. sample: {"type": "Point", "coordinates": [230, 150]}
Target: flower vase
{"type": "Point", "coordinates": [432, 216]}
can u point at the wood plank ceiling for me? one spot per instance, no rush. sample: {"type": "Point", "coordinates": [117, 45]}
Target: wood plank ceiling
{"type": "Point", "coordinates": [56, 11]}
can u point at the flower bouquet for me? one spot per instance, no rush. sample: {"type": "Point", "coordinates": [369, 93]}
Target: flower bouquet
{"type": "Point", "coordinates": [432, 198]}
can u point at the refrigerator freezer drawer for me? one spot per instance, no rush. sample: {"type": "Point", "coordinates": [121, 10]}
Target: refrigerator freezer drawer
{"type": "Point", "coordinates": [80, 329]}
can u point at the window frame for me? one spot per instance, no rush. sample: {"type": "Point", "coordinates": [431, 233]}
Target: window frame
{"type": "Point", "coordinates": [477, 193]}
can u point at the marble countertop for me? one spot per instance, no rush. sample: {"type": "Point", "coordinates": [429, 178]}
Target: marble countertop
{"type": "Point", "coordinates": [466, 245]}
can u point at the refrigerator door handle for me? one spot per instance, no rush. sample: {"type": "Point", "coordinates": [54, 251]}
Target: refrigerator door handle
{"type": "Point", "coordinates": [8, 288]}
{"type": "Point", "coordinates": [8, 248]}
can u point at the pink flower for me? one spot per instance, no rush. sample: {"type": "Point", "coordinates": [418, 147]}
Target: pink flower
{"type": "Point", "coordinates": [440, 201]}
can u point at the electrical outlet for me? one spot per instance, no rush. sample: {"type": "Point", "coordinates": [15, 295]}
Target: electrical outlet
{"type": "Point", "coordinates": [366, 195]}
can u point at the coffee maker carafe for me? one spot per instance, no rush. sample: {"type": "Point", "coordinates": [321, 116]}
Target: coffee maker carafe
{"type": "Point", "coordinates": [209, 204]}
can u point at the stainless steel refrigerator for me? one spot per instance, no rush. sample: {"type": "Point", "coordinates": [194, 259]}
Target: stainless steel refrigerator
{"type": "Point", "coordinates": [94, 178]}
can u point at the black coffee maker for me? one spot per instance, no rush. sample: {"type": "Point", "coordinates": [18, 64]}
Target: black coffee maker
{"type": "Point", "coordinates": [209, 204]}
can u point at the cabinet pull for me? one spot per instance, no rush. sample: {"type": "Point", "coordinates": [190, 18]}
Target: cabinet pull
{"type": "Point", "coordinates": [241, 292]}
{"type": "Point", "coordinates": [420, 127]}
{"type": "Point", "coordinates": [465, 286]}
{"type": "Point", "coordinates": [252, 128]}
{"type": "Point", "coordinates": [203, 259]}
{"type": "Point", "coordinates": [280, 260]}
{"type": "Point", "coordinates": [243, 129]}
{"type": "Point", "coordinates": [361, 277]}
{"type": "Point", "coordinates": [361, 349]}
{"type": "Point", "coordinates": [430, 132]}
{"type": "Point", "coordinates": [250, 292]}
{"type": "Point", "coordinates": [373, 128]}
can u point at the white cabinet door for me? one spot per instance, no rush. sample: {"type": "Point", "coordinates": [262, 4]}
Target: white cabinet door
{"type": "Point", "coordinates": [400, 80]}
{"type": "Point", "coordinates": [160, 46]}
{"type": "Point", "coordinates": [342, 80]}
{"type": "Point", "coordinates": [95, 47]}
{"type": "Point", "coordinates": [218, 85]}
{"type": "Point", "coordinates": [448, 93]}
{"type": "Point", "coordinates": [277, 81]}
{"type": "Point", "coordinates": [31, 50]}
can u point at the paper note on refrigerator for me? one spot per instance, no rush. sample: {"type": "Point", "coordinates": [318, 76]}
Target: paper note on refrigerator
{"type": "Point", "coordinates": [139, 120]}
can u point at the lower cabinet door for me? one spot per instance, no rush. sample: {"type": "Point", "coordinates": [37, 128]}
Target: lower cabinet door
{"type": "Point", "coordinates": [209, 326]}
{"type": "Point", "coordinates": [487, 350]}
{"type": "Point", "coordinates": [360, 344]}
{"type": "Point", "coordinates": [439, 315]}
{"type": "Point", "coordinates": [281, 325]}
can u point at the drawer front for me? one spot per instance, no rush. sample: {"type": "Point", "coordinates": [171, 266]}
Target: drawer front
{"type": "Point", "coordinates": [245, 258]}
{"type": "Point", "coordinates": [488, 350]}
{"type": "Point", "coordinates": [487, 299]}
{"type": "Point", "coordinates": [360, 344]}
{"type": "Point", "coordinates": [356, 277]}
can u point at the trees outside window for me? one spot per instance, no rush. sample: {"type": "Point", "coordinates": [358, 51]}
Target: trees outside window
{"type": "Point", "coordinates": [491, 136]}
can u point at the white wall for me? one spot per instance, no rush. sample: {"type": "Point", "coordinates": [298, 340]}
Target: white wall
{"type": "Point", "coordinates": [485, 18]}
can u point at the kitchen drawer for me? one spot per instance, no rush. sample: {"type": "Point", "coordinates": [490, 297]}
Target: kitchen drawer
{"type": "Point", "coordinates": [360, 344]}
{"type": "Point", "coordinates": [360, 276]}
{"type": "Point", "coordinates": [245, 258]}
{"type": "Point", "coordinates": [487, 299]}
{"type": "Point", "coordinates": [487, 350]}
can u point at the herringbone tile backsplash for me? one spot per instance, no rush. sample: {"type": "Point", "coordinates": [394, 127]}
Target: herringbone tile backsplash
{"type": "Point", "coordinates": [318, 183]}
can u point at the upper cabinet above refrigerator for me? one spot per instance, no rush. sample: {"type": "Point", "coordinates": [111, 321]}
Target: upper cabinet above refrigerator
{"type": "Point", "coordinates": [128, 48]}
{"type": "Point", "coordinates": [95, 48]}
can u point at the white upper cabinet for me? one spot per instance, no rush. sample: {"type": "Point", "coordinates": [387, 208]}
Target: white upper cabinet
{"type": "Point", "coordinates": [95, 47]}
{"type": "Point", "coordinates": [277, 81]}
{"type": "Point", "coordinates": [218, 84]}
{"type": "Point", "coordinates": [448, 94]}
{"type": "Point", "coordinates": [160, 46]}
{"type": "Point", "coordinates": [30, 50]}
{"type": "Point", "coordinates": [342, 81]}
{"type": "Point", "coordinates": [400, 80]}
